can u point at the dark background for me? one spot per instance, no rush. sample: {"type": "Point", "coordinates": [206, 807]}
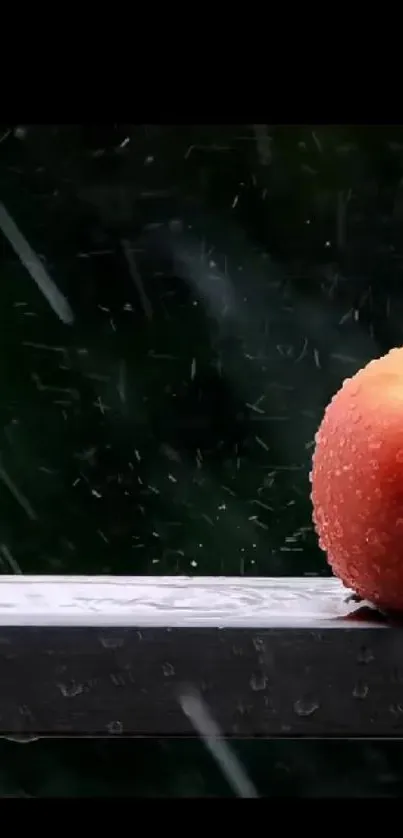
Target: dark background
{"type": "Point", "coordinates": [224, 280]}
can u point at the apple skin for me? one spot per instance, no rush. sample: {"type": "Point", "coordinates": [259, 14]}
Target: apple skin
{"type": "Point", "coordinates": [357, 482]}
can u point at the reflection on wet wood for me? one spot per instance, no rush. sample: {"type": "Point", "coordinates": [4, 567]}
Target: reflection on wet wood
{"type": "Point", "coordinates": [174, 601]}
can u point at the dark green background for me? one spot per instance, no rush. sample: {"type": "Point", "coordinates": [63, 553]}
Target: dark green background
{"type": "Point", "coordinates": [270, 260]}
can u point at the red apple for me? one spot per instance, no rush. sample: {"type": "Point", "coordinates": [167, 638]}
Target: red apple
{"type": "Point", "coordinates": [357, 482]}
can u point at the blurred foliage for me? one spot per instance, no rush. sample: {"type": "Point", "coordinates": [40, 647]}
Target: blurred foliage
{"type": "Point", "coordinates": [224, 280]}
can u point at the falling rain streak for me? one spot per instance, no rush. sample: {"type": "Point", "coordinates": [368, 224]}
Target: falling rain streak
{"type": "Point", "coordinates": [136, 279]}
{"type": "Point", "coordinates": [199, 715]}
{"type": "Point", "coordinates": [35, 267]}
{"type": "Point", "coordinates": [19, 497]}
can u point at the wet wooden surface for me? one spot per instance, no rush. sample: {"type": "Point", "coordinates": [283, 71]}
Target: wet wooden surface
{"type": "Point", "coordinates": [270, 658]}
